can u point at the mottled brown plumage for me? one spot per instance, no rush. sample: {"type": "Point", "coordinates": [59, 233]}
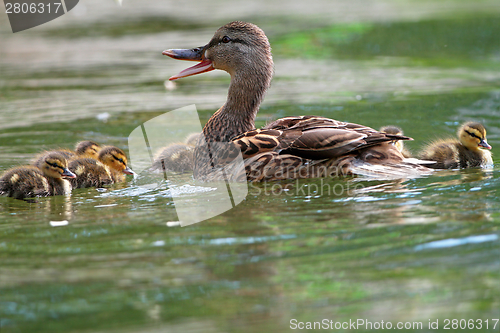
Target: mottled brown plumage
{"type": "Point", "coordinates": [44, 179]}
{"type": "Point", "coordinates": [89, 173]}
{"type": "Point", "coordinates": [292, 147]}
{"type": "Point", "coordinates": [463, 153]}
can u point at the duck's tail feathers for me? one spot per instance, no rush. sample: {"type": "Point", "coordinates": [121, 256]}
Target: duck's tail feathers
{"type": "Point", "coordinates": [402, 170]}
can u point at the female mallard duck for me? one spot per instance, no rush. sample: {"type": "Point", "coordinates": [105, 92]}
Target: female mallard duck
{"type": "Point", "coordinates": [390, 129]}
{"type": "Point", "coordinates": [465, 152]}
{"type": "Point", "coordinates": [291, 147]}
{"type": "Point", "coordinates": [44, 179]}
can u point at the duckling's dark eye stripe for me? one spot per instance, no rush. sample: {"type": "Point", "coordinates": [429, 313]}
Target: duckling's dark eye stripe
{"type": "Point", "coordinates": [118, 159]}
{"type": "Point", "coordinates": [473, 135]}
{"type": "Point", "coordinates": [54, 165]}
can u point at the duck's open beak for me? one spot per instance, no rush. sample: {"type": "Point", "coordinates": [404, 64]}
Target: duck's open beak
{"type": "Point", "coordinates": [68, 174]}
{"type": "Point", "coordinates": [484, 144]}
{"type": "Point", "coordinates": [195, 54]}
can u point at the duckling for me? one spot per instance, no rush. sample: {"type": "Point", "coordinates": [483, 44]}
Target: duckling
{"type": "Point", "coordinates": [177, 157]}
{"type": "Point", "coordinates": [82, 149]}
{"type": "Point", "coordinates": [45, 179]}
{"type": "Point", "coordinates": [87, 148]}
{"type": "Point", "coordinates": [54, 166]}
{"type": "Point", "coordinates": [390, 129]}
{"type": "Point", "coordinates": [463, 153]}
{"type": "Point", "coordinates": [116, 160]}
{"type": "Point", "coordinates": [192, 139]}
{"type": "Point", "coordinates": [90, 173]}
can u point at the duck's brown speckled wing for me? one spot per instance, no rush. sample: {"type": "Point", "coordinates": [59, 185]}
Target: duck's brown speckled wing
{"type": "Point", "coordinates": [309, 147]}
{"type": "Point", "coordinates": [311, 137]}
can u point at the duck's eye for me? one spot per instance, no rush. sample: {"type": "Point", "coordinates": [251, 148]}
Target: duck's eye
{"type": "Point", "coordinates": [118, 159]}
{"type": "Point", "coordinates": [473, 135]}
{"type": "Point", "coordinates": [226, 39]}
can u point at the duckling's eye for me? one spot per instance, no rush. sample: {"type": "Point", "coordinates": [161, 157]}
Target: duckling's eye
{"type": "Point", "coordinates": [473, 135]}
{"type": "Point", "coordinates": [226, 39]}
{"type": "Point", "coordinates": [54, 165]}
{"type": "Point", "coordinates": [118, 159]}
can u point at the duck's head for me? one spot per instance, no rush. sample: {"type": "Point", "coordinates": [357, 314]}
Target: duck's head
{"type": "Point", "coordinates": [237, 47]}
{"type": "Point", "coordinates": [115, 159]}
{"type": "Point", "coordinates": [192, 139]}
{"type": "Point", "coordinates": [54, 165]}
{"type": "Point", "coordinates": [473, 136]}
{"type": "Point", "coordinates": [390, 129]}
{"type": "Point", "coordinates": [87, 148]}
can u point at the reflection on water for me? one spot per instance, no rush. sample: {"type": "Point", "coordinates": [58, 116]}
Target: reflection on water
{"type": "Point", "coordinates": [116, 260]}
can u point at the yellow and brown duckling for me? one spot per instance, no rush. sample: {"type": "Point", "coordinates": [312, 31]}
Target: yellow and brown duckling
{"type": "Point", "coordinates": [466, 152]}
{"type": "Point", "coordinates": [82, 149]}
{"type": "Point", "coordinates": [87, 148]}
{"type": "Point", "coordinates": [390, 129]}
{"type": "Point", "coordinates": [116, 160]}
{"type": "Point", "coordinates": [108, 168]}
{"type": "Point", "coordinates": [44, 179]}
{"type": "Point", "coordinates": [89, 173]}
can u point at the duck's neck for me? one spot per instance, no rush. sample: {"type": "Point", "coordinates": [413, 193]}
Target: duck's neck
{"type": "Point", "coordinates": [237, 116]}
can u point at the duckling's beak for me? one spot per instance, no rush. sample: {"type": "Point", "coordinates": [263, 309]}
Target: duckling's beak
{"type": "Point", "coordinates": [68, 174]}
{"type": "Point", "coordinates": [128, 171]}
{"type": "Point", "coordinates": [484, 144]}
{"type": "Point", "coordinates": [196, 54]}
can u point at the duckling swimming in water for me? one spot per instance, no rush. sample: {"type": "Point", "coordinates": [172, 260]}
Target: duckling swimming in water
{"type": "Point", "coordinates": [390, 129]}
{"type": "Point", "coordinates": [82, 149]}
{"type": "Point", "coordinates": [463, 153]}
{"type": "Point", "coordinates": [87, 148]}
{"type": "Point", "coordinates": [192, 139]}
{"type": "Point", "coordinates": [177, 157]}
{"type": "Point", "coordinates": [105, 170]}
{"type": "Point", "coordinates": [116, 160]}
{"type": "Point", "coordinates": [90, 173]}
{"type": "Point", "coordinates": [45, 179]}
